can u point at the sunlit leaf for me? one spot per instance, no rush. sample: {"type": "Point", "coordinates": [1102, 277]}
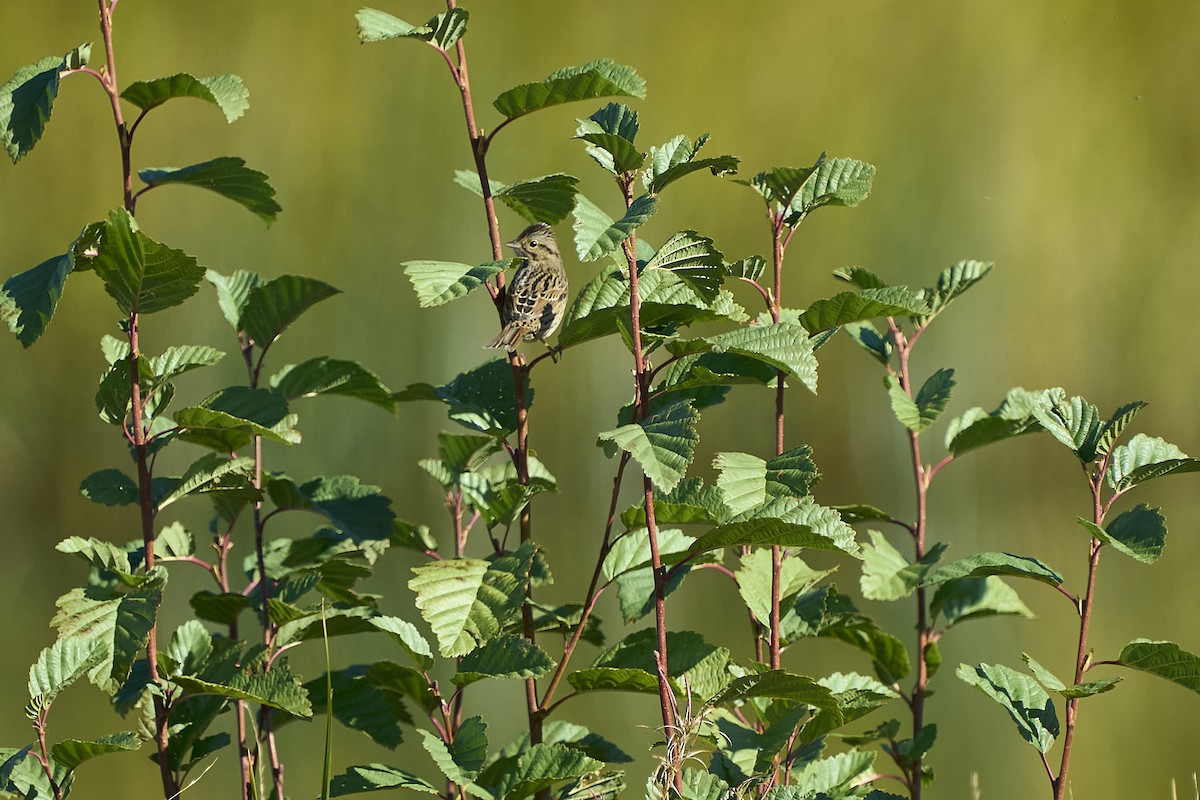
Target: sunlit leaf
{"type": "Point", "coordinates": [662, 445]}
{"type": "Point", "coordinates": [963, 599]}
{"type": "Point", "coordinates": [596, 234]}
{"type": "Point", "coordinates": [1139, 533]}
{"type": "Point", "coordinates": [1020, 695]}
{"type": "Point", "coordinates": [847, 307]}
{"type": "Point", "coordinates": [273, 306]}
{"type": "Point", "coordinates": [506, 656]}
{"type": "Point", "coordinates": [331, 376]}
{"type": "Point", "coordinates": [227, 176]}
{"type": "Point", "coordinates": [138, 272]}
{"type": "Point", "coordinates": [887, 575]}
{"type": "Point", "coordinates": [602, 78]}
{"type": "Point", "coordinates": [70, 753]}
{"type": "Point", "coordinates": [984, 564]}
{"type": "Point", "coordinates": [441, 31]}
{"type": "Point", "coordinates": [227, 92]}
{"type": "Point", "coordinates": [976, 428]}
{"type": "Point", "coordinates": [677, 158]}
{"type": "Point", "coordinates": [1164, 659]}
{"type": "Point", "coordinates": [439, 282]}
{"type": "Point", "coordinates": [1145, 458]}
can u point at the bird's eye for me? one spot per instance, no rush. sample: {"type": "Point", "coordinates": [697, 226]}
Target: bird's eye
{"type": "Point", "coordinates": [533, 243]}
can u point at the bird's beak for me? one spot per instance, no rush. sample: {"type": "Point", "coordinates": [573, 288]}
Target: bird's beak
{"type": "Point", "coordinates": [512, 244]}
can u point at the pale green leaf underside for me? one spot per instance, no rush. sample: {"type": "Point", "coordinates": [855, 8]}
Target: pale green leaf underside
{"type": "Point", "coordinates": [227, 92]}
{"type": "Point", "coordinates": [439, 282]}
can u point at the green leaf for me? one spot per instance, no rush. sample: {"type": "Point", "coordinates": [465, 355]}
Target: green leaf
{"type": "Point", "coordinates": [222, 608]}
{"type": "Point", "coordinates": [777, 685]}
{"type": "Point", "coordinates": [847, 307]}
{"type": "Point", "coordinates": [229, 177]}
{"type": "Point", "coordinates": [27, 100]}
{"type": "Point", "coordinates": [783, 345]}
{"type": "Point", "coordinates": [762, 532]}
{"type": "Point", "coordinates": [233, 291]}
{"type": "Point", "coordinates": [377, 777]}
{"type": "Point", "coordinates": [278, 688]}
{"type": "Point", "coordinates": [119, 622]}
{"type": "Point", "coordinates": [1164, 659]}
{"type": "Point", "coordinates": [540, 767]}
{"type": "Point", "coordinates": [951, 283]}
{"type": "Point", "coordinates": [331, 376]}
{"type": "Point", "coordinates": [861, 277]}
{"type": "Point", "coordinates": [439, 282]}
{"type": "Point", "coordinates": [750, 268]}
{"type": "Point", "coordinates": [109, 487]}
{"type": "Point", "coordinates": [976, 428]}
{"type": "Point", "coordinates": [836, 775]}
{"type": "Point", "coordinates": [358, 510]}
{"type": "Point", "coordinates": [1021, 696]}
{"type": "Point", "coordinates": [360, 705]}
{"type": "Point", "coordinates": [210, 473]}
{"type": "Point", "coordinates": [596, 234]}
{"type": "Point", "coordinates": [138, 272]}
{"type": "Point", "coordinates": [663, 445]}
{"type": "Point", "coordinates": [613, 679]}
{"type": "Point", "coordinates": [632, 551]}
{"type": "Point", "coordinates": [1115, 426]}
{"type": "Point", "coordinates": [60, 665]}
{"type": "Point", "coordinates": [506, 656]}
{"type": "Point", "coordinates": [547, 199]}
{"type": "Point", "coordinates": [754, 582]}
{"type": "Point", "coordinates": [1075, 422]}
{"type": "Point", "coordinates": [677, 158]}
{"type": "Point", "coordinates": [273, 306]}
{"type": "Point", "coordinates": [667, 301]}
{"type": "Point", "coordinates": [918, 413]}
{"type": "Point", "coordinates": [28, 300]}
{"type": "Point", "coordinates": [747, 482]}
{"type": "Point", "coordinates": [700, 665]}
{"type": "Point", "coordinates": [70, 753]}
{"type": "Point", "coordinates": [227, 92]}
{"type": "Point", "coordinates": [408, 637]}
{"type": "Point", "coordinates": [441, 31]}
{"type": "Point", "coordinates": [984, 564]}
{"type": "Point", "coordinates": [601, 78]}
{"type": "Point", "coordinates": [689, 502]}
{"type": "Point", "coordinates": [616, 153]}
{"type": "Point", "coordinates": [461, 760]}
{"type": "Point", "coordinates": [868, 337]}
{"type": "Point", "coordinates": [693, 258]}
{"type": "Point", "coordinates": [1139, 533]}
{"type": "Point", "coordinates": [1145, 458]}
{"type": "Point", "coordinates": [104, 556]}
{"type": "Point", "coordinates": [887, 575]}
{"type": "Point", "coordinates": [974, 598]}
{"type": "Point", "coordinates": [1051, 682]}
{"type": "Point", "coordinates": [467, 601]}
{"type": "Point", "coordinates": [481, 399]}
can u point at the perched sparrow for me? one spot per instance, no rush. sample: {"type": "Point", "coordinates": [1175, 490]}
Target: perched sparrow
{"type": "Point", "coordinates": [537, 296]}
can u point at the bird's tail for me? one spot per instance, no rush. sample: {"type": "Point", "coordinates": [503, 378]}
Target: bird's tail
{"type": "Point", "coordinates": [509, 337]}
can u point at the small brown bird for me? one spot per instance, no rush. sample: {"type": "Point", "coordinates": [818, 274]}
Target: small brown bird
{"type": "Point", "coordinates": [537, 296]}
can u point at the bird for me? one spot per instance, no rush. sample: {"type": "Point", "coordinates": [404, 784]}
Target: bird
{"type": "Point", "coordinates": [537, 296]}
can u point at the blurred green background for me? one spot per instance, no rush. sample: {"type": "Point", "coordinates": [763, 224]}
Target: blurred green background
{"type": "Point", "coordinates": [1060, 140]}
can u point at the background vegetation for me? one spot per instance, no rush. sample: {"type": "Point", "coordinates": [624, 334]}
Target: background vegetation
{"type": "Point", "coordinates": [1060, 141]}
